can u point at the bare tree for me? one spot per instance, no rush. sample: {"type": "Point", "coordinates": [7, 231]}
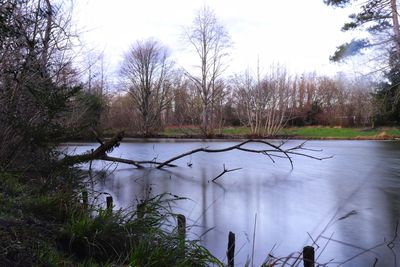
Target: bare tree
{"type": "Point", "coordinates": [210, 41]}
{"type": "Point", "coordinates": [250, 107]}
{"type": "Point", "coordinates": [186, 101]}
{"type": "Point", "coordinates": [35, 64]}
{"type": "Point", "coordinates": [146, 72]}
{"type": "Point", "coordinates": [263, 104]}
{"type": "Point", "coordinates": [94, 72]}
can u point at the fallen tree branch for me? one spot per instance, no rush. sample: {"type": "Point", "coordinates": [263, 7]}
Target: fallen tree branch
{"type": "Point", "coordinates": [98, 153]}
{"type": "Point", "coordinates": [121, 160]}
{"type": "Point", "coordinates": [268, 149]}
{"type": "Point", "coordinates": [138, 164]}
{"type": "Point", "coordinates": [271, 151]}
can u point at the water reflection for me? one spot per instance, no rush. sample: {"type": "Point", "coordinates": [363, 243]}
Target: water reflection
{"type": "Point", "coordinates": [350, 202]}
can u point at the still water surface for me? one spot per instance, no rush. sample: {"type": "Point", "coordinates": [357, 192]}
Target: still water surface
{"type": "Point", "coordinates": [352, 198]}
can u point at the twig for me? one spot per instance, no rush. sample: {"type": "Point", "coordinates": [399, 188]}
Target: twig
{"type": "Point", "coordinates": [325, 246]}
{"type": "Point", "coordinates": [312, 239]}
{"type": "Point", "coordinates": [346, 243]}
{"type": "Point", "coordinates": [353, 212]}
{"type": "Point", "coordinates": [359, 254]}
{"type": "Point", "coordinates": [225, 171]}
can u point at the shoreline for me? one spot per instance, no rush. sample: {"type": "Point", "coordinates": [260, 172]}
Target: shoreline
{"type": "Point", "coordinates": [133, 138]}
{"type": "Point", "coordinates": [243, 133]}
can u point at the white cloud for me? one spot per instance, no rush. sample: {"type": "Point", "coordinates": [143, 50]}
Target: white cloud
{"type": "Point", "coordinates": [300, 34]}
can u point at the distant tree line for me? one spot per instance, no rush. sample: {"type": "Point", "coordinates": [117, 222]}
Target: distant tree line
{"type": "Point", "coordinates": [264, 103]}
{"type": "Point", "coordinates": [160, 94]}
{"type": "Point", "coordinates": [46, 96]}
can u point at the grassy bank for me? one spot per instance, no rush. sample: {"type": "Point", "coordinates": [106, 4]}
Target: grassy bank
{"type": "Point", "coordinates": [43, 222]}
{"type": "Point", "coordinates": [342, 133]}
{"type": "Point", "coordinates": [385, 133]}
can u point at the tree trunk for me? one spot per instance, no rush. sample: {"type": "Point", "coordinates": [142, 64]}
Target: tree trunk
{"type": "Point", "coordinates": [396, 27]}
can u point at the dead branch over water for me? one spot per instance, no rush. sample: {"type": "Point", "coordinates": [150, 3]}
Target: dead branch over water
{"type": "Point", "coordinates": [272, 151]}
{"type": "Point", "coordinates": [266, 148]}
{"type": "Point", "coordinates": [100, 153]}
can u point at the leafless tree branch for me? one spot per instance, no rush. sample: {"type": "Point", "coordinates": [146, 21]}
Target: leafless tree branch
{"type": "Point", "coordinates": [271, 150]}
{"type": "Point", "coordinates": [225, 170]}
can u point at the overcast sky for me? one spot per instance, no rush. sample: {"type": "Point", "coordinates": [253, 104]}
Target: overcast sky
{"type": "Point", "coordinates": [299, 34]}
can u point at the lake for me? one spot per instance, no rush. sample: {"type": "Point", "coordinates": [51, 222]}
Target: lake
{"type": "Point", "coordinates": [347, 204]}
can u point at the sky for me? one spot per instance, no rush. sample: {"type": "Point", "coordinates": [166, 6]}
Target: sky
{"type": "Point", "coordinates": [300, 35]}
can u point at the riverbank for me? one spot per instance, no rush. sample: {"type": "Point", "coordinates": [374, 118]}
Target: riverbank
{"type": "Point", "coordinates": [302, 133]}
{"type": "Point", "coordinates": [51, 220]}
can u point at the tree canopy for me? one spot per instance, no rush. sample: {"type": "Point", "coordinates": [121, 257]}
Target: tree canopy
{"type": "Point", "coordinates": [379, 21]}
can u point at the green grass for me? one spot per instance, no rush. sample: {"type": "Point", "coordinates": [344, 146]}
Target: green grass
{"type": "Point", "coordinates": [326, 132]}
{"type": "Point", "coordinates": [298, 132]}
{"type": "Point", "coordinates": [236, 131]}
{"type": "Point", "coordinates": [148, 238]}
{"type": "Point", "coordinates": [44, 225]}
{"type": "Point", "coordinates": [393, 132]}
{"type": "Point", "coordinates": [180, 131]}
{"type": "Point", "coordinates": [340, 133]}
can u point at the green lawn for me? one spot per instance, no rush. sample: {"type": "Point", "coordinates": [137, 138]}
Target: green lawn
{"type": "Point", "coordinates": [325, 132]}
{"type": "Point", "coordinates": [236, 131]}
{"type": "Point", "coordinates": [340, 133]}
{"type": "Point", "coordinates": [301, 132]}
{"type": "Point", "coordinates": [393, 132]}
{"type": "Point", "coordinates": [180, 131]}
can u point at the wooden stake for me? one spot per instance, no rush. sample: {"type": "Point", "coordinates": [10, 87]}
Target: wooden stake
{"type": "Point", "coordinates": [231, 249]}
{"type": "Point", "coordinates": [308, 256]}
{"type": "Point", "coordinates": [109, 201]}
{"type": "Point", "coordinates": [85, 200]}
{"type": "Point", "coordinates": [140, 210]}
{"type": "Point", "coordinates": [181, 226]}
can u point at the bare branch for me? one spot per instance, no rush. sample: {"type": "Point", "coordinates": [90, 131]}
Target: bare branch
{"type": "Point", "coordinates": [271, 152]}
{"type": "Point", "coordinates": [225, 171]}
{"type": "Point", "coordinates": [209, 40]}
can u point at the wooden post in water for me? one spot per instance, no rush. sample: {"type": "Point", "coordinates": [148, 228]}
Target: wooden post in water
{"type": "Point", "coordinates": [308, 256]}
{"type": "Point", "coordinates": [109, 201]}
{"type": "Point", "coordinates": [181, 233]}
{"type": "Point", "coordinates": [140, 210]}
{"type": "Point", "coordinates": [230, 253]}
{"type": "Point", "coordinates": [85, 200]}
{"type": "Point", "coordinates": [181, 226]}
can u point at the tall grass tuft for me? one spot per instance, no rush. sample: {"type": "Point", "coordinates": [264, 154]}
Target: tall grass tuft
{"type": "Point", "coordinates": [147, 236]}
